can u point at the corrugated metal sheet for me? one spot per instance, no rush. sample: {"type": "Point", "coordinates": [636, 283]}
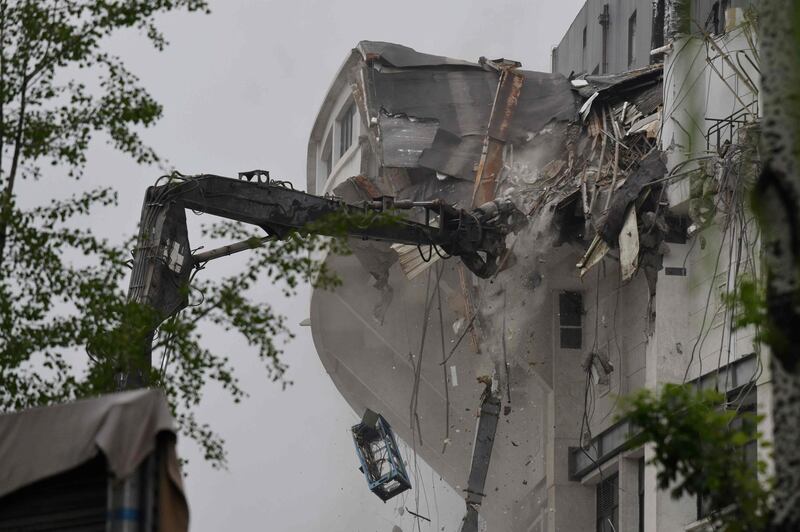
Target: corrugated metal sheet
{"type": "Point", "coordinates": [642, 87]}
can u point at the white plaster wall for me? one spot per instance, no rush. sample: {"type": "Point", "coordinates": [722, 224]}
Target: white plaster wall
{"type": "Point", "coordinates": [349, 164]}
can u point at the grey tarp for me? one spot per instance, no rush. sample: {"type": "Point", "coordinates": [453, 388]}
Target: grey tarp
{"type": "Point", "coordinates": [42, 442]}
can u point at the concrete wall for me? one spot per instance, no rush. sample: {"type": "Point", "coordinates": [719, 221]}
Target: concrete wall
{"type": "Point", "coordinates": [572, 56]}
{"type": "Point", "coordinates": [320, 178]}
{"type": "Point", "coordinates": [695, 95]}
{"type": "Point", "coordinates": [349, 163]}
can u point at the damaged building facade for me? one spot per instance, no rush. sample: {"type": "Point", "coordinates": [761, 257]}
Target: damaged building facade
{"type": "Point", "coordinates": [634, 183]}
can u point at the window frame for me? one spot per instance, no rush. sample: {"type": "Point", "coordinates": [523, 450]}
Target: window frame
{"type": "Point", "coordinates": [611, 483]}
{"type": "Point", "coordinates": [346, 128]}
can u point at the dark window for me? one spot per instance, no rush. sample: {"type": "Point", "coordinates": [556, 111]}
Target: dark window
{"type": "Point", "coordinates": [584, 37]}
{"type": "Point", "coordinates": [570, 313]}
{"type": "Point", "coordinates": [712, 22]}
{"type": "Point", "coordinates": [568, 221]}
{"type": "Point", "coordinates": [745, 409]}
{"type": "Point", "coordinates": [605, 20]}
{"type": "Point", "coordinates": [608, 504]}
{"type": "Point", "coordinates": [632, 40]}
{"type": "Point", "coordinates": [678, 225]}
{"type": "Point", "coordinates": [641, 494]}
{"type": "Point", "coordinates": [346, 129]}
{"type": "Point", "coordinates": [657, 40]}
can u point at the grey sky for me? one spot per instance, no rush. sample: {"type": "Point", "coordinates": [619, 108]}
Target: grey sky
{"type": "Point", "coordinates": [240, 89]}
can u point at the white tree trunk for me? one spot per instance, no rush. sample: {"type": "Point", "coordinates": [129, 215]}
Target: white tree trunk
{"type": "Point", "coordinates": [777, 201]}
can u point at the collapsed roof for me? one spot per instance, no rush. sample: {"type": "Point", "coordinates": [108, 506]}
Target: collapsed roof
{"type": "Point", "coordinates": [432, 112]}
{"type": "Point", "coordinates": [582, 150]}
{"type": "Point", "coordinates": [570, 144]}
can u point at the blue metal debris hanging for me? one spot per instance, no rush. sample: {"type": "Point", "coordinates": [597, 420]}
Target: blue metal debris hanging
{"type": "Point", "coordinates": [380, 457]}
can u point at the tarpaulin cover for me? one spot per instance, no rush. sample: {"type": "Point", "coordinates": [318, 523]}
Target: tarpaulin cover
{"type": "Point", "coordinates": [42, 442]}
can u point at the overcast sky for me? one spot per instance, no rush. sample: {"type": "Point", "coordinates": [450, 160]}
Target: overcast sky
{"type": "Point", "coordinates": [241, 88]}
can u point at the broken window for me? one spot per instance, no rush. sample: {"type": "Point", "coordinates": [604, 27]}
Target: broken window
{"type": "Point", "coordinates": [608, 504]}
{"type": "Point", "coordinates": [568, 220]}
{"type": "Point", "coordinates": [346, 129]}
{"type": "Point", "coordinates": [570, 312]}
{"type": "Point", "coordinates": [678, 226]}
{"type": "Point", "coordinates": [632, 40]}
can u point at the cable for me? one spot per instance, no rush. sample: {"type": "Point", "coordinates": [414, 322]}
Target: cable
{"type": "Point", "coordinates": [444, 369]}
{"type": "Point", "coordinates": [422, 255]}
{"type": "Point", "coordinates": [413, 415]}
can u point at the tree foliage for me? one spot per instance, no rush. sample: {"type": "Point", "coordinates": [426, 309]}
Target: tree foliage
{"type": "Point", "coordinates": [699, 444]}
{"type": "Point", "coordinates": [62, 288]}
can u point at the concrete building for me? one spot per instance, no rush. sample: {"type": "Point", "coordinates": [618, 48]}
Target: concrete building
{"type": "Point", "coordinates": [638, 178]}
{"type": "Point", "coordinates": [612, 36]}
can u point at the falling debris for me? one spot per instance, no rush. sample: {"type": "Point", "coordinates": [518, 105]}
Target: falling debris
{"type": "Point", "coordinates": [380, 457]}
{"type": "Point", "coordinates": [629, 246]}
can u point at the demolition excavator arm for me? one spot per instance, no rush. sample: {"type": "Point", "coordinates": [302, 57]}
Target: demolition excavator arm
{"type": "Point", "coordinates": [163, 260]}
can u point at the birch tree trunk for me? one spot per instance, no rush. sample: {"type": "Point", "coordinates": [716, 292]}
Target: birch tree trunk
{"type": "Point", "coordinates": [777, 202]}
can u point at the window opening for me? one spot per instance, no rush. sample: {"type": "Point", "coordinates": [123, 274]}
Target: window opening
{"type": "Point", "coordinates": [583, 50]}
{"type": "Point", "coordinates": [744, 407]}
{"type": "Point", "coordinates": [712, 22]}
{"type": "Point", "coordinates": [657, 39]}
{"type": "Point", "coordinates": [570, 312]}
{"type": "Point", "coordinates": [605, 20]}
{"type": "Point", "coordinates": [608, 504]}
{"type": "Point", "coordinates": [346, 130]}
{"type": "Point", "coordinates": [632, 40]}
